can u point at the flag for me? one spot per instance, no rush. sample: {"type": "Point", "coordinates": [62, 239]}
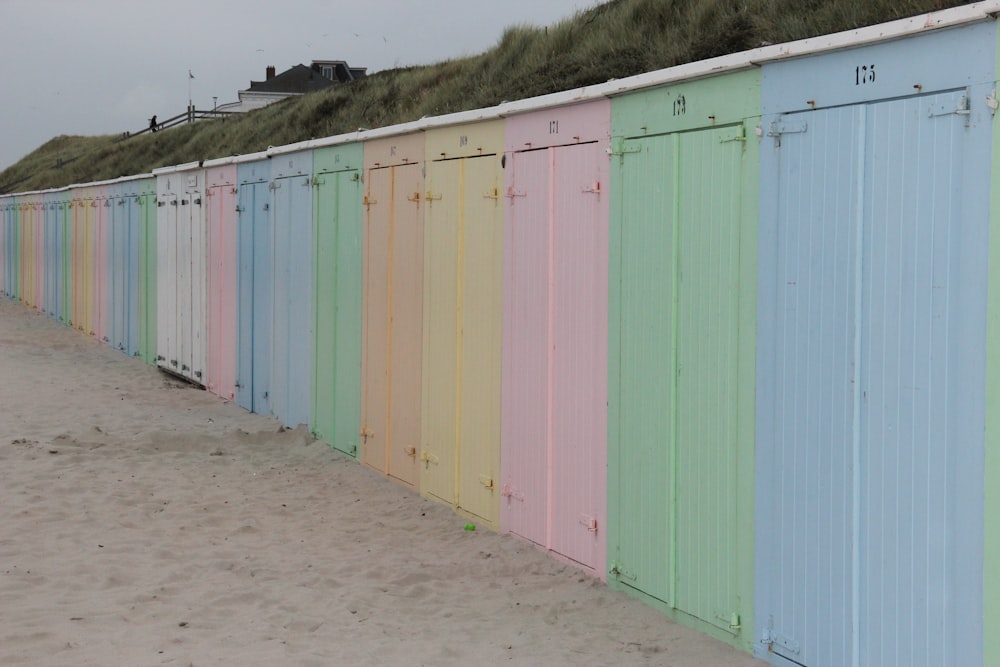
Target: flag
{"type": "Point", "coordinates": [190, 75]}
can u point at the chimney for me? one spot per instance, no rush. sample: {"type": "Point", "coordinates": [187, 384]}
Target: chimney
{"type": "Point", "coordinates": [269, 72]}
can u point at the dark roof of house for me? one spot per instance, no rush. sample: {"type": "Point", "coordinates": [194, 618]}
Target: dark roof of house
{"type": "Point", "coordinates": [298, 79]}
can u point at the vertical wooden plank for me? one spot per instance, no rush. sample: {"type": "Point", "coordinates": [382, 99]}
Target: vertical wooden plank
{"type": "Point", "coordinates": [220, 223]}
{"type": "Point", "coordinates": [291, 382]}
{"type": "Point", "coordinates": [644, 366]}
{"type": "Point", "coordinates": [406, 299]}
{"type": "Point", "coordinates": [253, 257]}
{"type": "Point", "coordinates": [393, 306]}
{"type": "Point", "coordinates": [375, 370]}
{"type": "Point", "coordinates": [442, 339]}
{"type": "Point", "coordinates": [480, 324]}
{"type": "Point", "coordinates": [578, 330]}
{"type": "Point", "coordinates": [263, 298]}
{"type": "Point", "coordinates": [338, 260]}
{"type": "Point", "coordinates": [526, 385]}
{"type": "Point", "coordinates": [147, 271]}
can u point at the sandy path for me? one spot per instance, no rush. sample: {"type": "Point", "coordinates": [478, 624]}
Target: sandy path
{"type": "Point", "coordinates": [143, 522]}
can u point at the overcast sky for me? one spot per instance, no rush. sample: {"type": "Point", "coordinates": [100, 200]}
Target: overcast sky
{"type": "Point", "coordinates": [89, 67]}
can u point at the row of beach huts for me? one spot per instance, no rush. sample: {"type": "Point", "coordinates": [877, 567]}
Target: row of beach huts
{"type": "Point", "coordinates": [724, 335]}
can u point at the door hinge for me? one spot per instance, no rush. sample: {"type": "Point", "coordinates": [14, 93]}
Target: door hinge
{"type": "Point", "coordinates": [368, 201]}
{"type": "Point", "coordinates": [619, 571]}
{"type": "Point", "coordinates": [739, 135]}
{"type": "Point", "coordinates": [486, 481]}
{"type": "Point", "coordinates": [429, 458]}
{"type": "Point", "coordinates": [589, 522]}
{"type": "Point", "coordinates": [624, 148]}
{"type": "Point", "coordinates": [430, 196]}
{"type": "Point", "coordinates": [410, 451]}
{"type": "Point", "coordinates": [769, 638]}
{"type": "Point", "coordinates": [318, 181]}
{"type": "Point", "coordinates": [593, 188]}
{"type": "Point", "coordinates": [732, 620]}
{"type": "Point", "coordinates": [510, 493]}
{"type": "Point", "coordinates": [779, 128]}
{"type": "Point", "coordinates": [511, 193]}
{"type": "Point", "coordinates": [959, 107]}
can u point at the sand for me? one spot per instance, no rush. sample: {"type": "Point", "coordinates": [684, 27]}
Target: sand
{"type": "Point", "coordinates": [146, 522]}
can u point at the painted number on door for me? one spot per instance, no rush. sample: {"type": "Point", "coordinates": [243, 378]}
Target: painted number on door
{"type": "Point", "coordinates": [553, 127]}
{"type": "Point", "coordinates": [680, 106]}
{"type": "Point", "coordinates": [864, 74]}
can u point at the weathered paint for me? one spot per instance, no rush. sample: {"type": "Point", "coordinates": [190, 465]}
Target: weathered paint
{"type": "Point", "coordinates": [254, 292]}
{"type": "Point", "coordinates": [337, 266]}
{"type": "Point", "coordinates": [463, 309]}
{"type": "Point", "coordinates": [871, 353]}
{"type": "Point", "coordinates": [292, 342]}
{"type": "Point", "coordinates": [220, 325]}
{"type": "Point", "coordinates": [554, 424]}
{"type": "Point", "coordinates": [681, 341]}
{"type": "Point", "coordinates": [181, 275]}
{"type": "Point", "coordinates": [393, 307]}
{"type": "Point", "coordinates": [146, 282]}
